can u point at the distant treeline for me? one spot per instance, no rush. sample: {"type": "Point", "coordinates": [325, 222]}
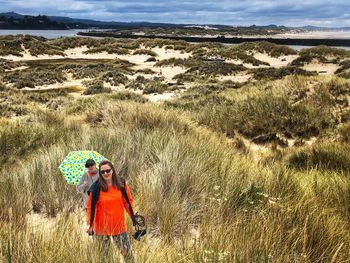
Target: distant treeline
{"type": "Point", "coordinates": [231, 40]}
{"type": "Point", "coordinates": [30, 22]}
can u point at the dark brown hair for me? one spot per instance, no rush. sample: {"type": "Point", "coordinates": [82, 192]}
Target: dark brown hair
{"type": "Point", "coordinates": [115, 178]}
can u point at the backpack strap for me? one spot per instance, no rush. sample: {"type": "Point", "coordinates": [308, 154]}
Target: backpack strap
{"type": "Point", "coordinates": [125, 195]}
{"type": "Point", "coordinates": [95, 190]}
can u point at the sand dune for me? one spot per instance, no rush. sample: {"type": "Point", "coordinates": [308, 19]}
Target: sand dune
{"type": "Point", "coordinates": [279, 62]}
{"type": "Point", "coordinates": [322, 69]}
{"type": "Point", "coordinates": [240, 77]}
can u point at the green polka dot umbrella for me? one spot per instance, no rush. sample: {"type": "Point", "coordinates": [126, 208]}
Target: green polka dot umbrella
{"type": "Point", "coordinates": [73, 165]}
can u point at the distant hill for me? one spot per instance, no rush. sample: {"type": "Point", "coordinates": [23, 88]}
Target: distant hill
{"type": "Point", "coordinates": [78, 23]}
{"type": "Point", "coordinates": [12, 20]}
{"type": "Point", "coordinates": [17, 21]}
{"type": "Point", "coordinates": [319, 28]}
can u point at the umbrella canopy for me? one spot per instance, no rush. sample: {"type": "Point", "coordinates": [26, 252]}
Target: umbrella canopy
{"type": "Point", "coordinates": [73, 165]}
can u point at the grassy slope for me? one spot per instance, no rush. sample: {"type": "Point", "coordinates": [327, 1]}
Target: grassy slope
{"type": "Point", "coordinates": [242, 212]}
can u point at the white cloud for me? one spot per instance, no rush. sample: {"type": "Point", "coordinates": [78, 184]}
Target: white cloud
{"type": "Point", "coordinates": [244, 12]}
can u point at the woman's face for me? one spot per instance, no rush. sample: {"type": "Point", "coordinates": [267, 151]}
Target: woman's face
{"type": "Point", "coordinates": [106, 172]}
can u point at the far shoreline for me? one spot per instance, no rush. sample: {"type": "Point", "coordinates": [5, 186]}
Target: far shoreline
{"type": "Point", "coordinates": [231, 40]}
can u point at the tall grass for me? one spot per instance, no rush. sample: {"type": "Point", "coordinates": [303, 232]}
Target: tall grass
{"type": "Point", "coordinates": [203, 202]}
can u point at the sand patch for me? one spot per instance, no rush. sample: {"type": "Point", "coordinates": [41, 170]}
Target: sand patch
{"type": "Point", "coordinates": [240, 77]}
{"type": "Point", "coordinates": [72, 53]}
{"type": "Point", "coordinates": [279, 62]}
{"type": "Point", "coordinates": [15, 69]}
{"type": "Point", "coordinates": [170, 72]}
{"type": "Point", "coordinates": [160, 97]}
{"type": "Point", "coordinates": [170, 53]}
{"type": "Point", "coordinates": [77, 52]}
{"type": "Point", "coordinates": [321, 69]}
{"type": "Point", "coordinates": [39, 222]}
{"type": "Point", "coordinates": [136, 59]}
{"type": "Point", "coordinates": [66, 84]}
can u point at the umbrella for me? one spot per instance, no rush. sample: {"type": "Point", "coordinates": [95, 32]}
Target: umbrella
{"type": "Point", "coordinates": [73, 165]}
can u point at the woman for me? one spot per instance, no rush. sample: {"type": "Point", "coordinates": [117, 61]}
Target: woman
{"type": "Point", "coordinates": [105, 208]}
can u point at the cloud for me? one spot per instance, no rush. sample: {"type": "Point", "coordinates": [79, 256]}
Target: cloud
{"type": "Point", "coordinates": [234, 12]}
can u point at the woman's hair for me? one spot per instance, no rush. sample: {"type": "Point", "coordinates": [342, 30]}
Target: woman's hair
{"type": "Point", "coordinates": [115, 178]}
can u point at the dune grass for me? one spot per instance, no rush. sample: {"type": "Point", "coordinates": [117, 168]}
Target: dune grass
{"type": "Point", "coordinates": [217, 205]}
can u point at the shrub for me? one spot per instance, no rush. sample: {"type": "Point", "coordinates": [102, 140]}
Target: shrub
{"type": "Point", "coordinates": [32, 77]}
{"type": "Point", "coordinates": [95, 87]}
{"type": "Point", "coordinates": [151, 59]}
{"type": "Point", "coordinates": [216, 68]}
{"type": "Point", "coordinates": [11, 45]}
{"type": "Point", "coordinates": [37, 47]}
{"type": "Point", "coordinates": [2, 86]}
{"type": "Point", "coordinates": [8, 64]}
{"type": "Point", "coordinates": [115, 48]}
{"type": "Point", "coordinates": [154, 86]}
{"type": "Point", "coordinates": [138, 83]}
{"type": "Point", "coordinates": [73, 42]}
{"type": "Point", "coordinates": [145, 52]}
{"type": "Point", "coordinates": [267, 47]}
{"type": "Point", "coordinates": [278, 73]}
{"type": "Point", "coordinates": [323, 54]}
{"type": "Point", "coordinates": [146, 71]}
{"type": "Point", "coordinates": [115, 78]}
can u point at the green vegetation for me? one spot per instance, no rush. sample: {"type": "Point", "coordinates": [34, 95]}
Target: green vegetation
{"type": "Point", "coordinates": [323, 54]}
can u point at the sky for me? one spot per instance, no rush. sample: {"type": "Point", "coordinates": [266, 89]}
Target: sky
{"type": "Point", "coordinates": [328, 13]}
